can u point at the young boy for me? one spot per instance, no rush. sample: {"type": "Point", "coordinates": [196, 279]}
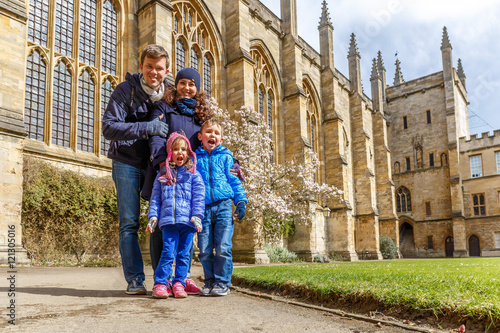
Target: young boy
{"type": "Point", "coordinates": [222, 188]}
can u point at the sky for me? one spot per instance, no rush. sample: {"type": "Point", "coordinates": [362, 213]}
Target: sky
{"type": "Point", "coordinates": [413, 30]}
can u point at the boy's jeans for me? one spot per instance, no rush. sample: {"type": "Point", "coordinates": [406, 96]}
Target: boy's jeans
{"type": "Point", "coordinates": [217, 232]}
{"type": "Point", "coordinates": [177, 243]}
{"type": "Point", "coordinates": [128, 182]}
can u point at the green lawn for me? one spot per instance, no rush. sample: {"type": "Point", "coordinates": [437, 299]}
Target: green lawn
{"type": "Point", "coordinates": [468, 287]}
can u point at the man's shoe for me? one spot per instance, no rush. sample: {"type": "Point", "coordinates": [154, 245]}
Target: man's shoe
{"type": "Point", "coordinates": [136, 287]}
{"type": "Point", "coordinates": [205, 290]}
{"type": "Point", "coordinates": [191, 288]}
{"type": "Point", "coordinates": [160, 291]}
{"type": "Point", "coordinates": [178, 290]}
{"type": "Point", "coordinates": [219, 290]}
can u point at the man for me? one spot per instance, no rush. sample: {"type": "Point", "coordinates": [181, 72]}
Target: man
{"type": "Point", "coordinates": [126, 122]}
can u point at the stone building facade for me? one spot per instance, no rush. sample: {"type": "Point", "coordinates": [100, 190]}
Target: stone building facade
{"type": "Point", "coordinates": [402, 157]}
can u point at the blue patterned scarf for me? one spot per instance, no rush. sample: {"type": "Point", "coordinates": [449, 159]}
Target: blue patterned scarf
{"type": "Point", "coordinates": [186, 106]}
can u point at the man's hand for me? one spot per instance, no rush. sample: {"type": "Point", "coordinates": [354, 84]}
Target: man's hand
{"type": "Point", "coordinates": [157, 127]}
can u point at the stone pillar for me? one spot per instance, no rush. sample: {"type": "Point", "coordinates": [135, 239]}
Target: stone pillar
{"type": "Point", "coordinates": [389, 222]}
{"type": "Point", "coordinates": [13, 18]}
{"type": "Point", "coordinates": [248, 238]}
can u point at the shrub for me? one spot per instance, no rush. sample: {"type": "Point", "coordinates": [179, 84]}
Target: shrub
{"type": "Point", "coordinates": [280, 254]}
{"type": "Point", "coordinates": [66, 215]}
{"type": "Point", "coordinates": [388, 248]}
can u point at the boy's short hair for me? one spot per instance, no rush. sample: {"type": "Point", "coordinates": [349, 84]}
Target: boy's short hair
{"type": "Point", "coordinates": [212, 121]}
{"type": "Point", "coordinates": [154, 51]}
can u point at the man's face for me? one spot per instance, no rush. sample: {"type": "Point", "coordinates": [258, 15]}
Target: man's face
{"type": "Point", "coordinates": [186, 88]}
{"type": "Point", "coordinates": [211, 137]}
{"type": "Point", "coordinates": [154, 71]}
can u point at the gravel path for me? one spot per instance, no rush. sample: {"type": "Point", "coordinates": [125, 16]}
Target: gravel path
{"type": "Point", "coordinates": [78, 299]}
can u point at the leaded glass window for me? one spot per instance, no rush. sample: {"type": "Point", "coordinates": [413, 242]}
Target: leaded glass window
{"type": "Point", "coordinates": [34, 102]}
{"type": "Point", "coordinates": [194, 59]}
{"type": "Point", "coordinates": [180, 56]}
{"type": "Point", "coordinates": [403, 200]}
{"type": "Point", "coordinates": [106, 91]}
{"type": "Point", "coordinates": [38, 21]}
{"type": "Point", "coordinates": [269, 111]}
{"type": "Point", "coordinates": [207, 76]}
{"type": "Point", "coordinates": [85, 125]}
{"type": "Point", "coordinates": [61, 106]}
{"type": "Point", "coordinates": [312, 132]}
{"type": "Point", "coordinates": [261, 102]}
{"type": "Point", "coordinates": [64, 28]}
{"type": "Point", "coordinates": [109, 32]}
{"type": "Point", "coordinates": [87, 31]}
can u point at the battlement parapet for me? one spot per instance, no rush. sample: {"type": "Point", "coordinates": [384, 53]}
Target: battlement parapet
{"type": "Point", "coordinates": [420, 85]}
{"type": "Point", "coordinates": [485, 141]}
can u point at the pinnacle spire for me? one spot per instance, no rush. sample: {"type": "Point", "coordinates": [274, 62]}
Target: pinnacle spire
{"type": "Point", "coordinates": [398, 77]}
{"type": "Point", "coordinates": [460, 71]}
{"type": "Point", "coordinates": [375, 73]}
{"type": "Point", "coordinates": [325, 16]}
{"type": "Point", "coordinates": [445, 42]}
{"type": "Point", "coordinates": [380, 62]}
{"type": "Point", "coordinates": [353, 48]}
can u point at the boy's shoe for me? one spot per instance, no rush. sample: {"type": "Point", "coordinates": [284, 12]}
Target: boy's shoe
{"type": "Point", "coordinates": [205, 290]}
{"type": "Point", "coordinates": [160, 291]}
{"type": "Point", "coordinates": [219, 290]}
{"type": "Point", "coordinates": [178, 290]}
{"type": "Point", "coordinates": [136, 287]}
{"type": "Point", "coordinates": [191, 288]}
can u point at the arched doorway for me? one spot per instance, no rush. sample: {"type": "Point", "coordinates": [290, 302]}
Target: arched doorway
{"type": "Point", "coordinates": [449, 246]}
{"type": "Point", "coordinates": [406, 240]}
{"type": "Point", "coordinates": [474, 249]}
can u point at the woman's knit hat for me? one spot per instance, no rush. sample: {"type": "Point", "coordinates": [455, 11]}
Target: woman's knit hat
{"type": "Point", "coordinates": [190, 74]}
{"type": "Point", "coordinates": [192, 154]}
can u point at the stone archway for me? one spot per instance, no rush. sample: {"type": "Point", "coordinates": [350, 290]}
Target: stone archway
{"type": "Point", "coordinates": [406, 240]}
{"type": "Point", "coordinates": [474, 248]}
{"type": "Point", "coordinates": [449, 247]}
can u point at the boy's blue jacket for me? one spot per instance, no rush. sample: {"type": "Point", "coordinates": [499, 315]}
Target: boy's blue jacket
{"type": "Point", "coordinates": [220, 183]}
{"type": "Point", "coordinates": [177, 203]}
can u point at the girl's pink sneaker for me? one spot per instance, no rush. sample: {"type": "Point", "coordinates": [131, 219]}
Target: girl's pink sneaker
{"type": "Point", "coordinates": [160, 291]}
{"type": "Point", "coordinates": [179, 291]}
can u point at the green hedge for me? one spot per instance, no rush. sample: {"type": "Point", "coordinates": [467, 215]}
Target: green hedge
{"type": "Point", "coordinates": [68, 216]}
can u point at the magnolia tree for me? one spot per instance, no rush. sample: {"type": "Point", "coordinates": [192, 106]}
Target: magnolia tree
{"type": "Point", "coordinates": [279, 194]}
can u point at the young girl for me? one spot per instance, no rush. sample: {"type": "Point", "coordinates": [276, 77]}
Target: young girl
{"type": "Point", "coordinates": [178, 209]}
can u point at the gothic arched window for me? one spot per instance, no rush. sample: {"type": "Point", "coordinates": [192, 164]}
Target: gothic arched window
{"type": "Point", "coordinates": [78, 30]}
{"type": "Point", "coordinates": [106, 90]}
{"type": "Point", "coordinates": [198, 43]}
{"type": "Point", "coordinates": [403, 200]}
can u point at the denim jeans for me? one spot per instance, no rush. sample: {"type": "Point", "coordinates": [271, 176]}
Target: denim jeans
{"type": "Point", "coordinates": [128, 182]}
{"type": "Point", "coordinates": [217, 232]}
{"type": "Point", "coordinates": [156, 247]}
{"type": "Point", "coordinates": [177, 244]}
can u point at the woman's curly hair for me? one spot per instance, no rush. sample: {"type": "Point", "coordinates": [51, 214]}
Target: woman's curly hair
{"type": "Point", "coordinates": [201, 110]}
